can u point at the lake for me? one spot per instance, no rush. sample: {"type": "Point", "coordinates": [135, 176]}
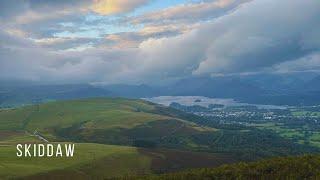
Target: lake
{"type": "Point", "coordinates": [205, 101]}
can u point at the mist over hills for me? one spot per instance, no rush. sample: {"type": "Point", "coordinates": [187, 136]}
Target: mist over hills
{"type": "Point", "coordinates": [278, 89]}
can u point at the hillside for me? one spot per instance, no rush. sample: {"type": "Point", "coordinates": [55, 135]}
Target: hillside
{"type": "Point", "coordinates": [139, 123]}
{"type": "Point", "coordinates": [117, 136]}
{"type": "Point", "coordinates": [104, 120]}
{"type": "Point", "coordinates": [302, 167]}
{"type": "Point", "coordinates": [103, 161]}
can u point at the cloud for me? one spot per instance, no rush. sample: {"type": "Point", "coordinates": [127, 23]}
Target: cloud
{"type": "Point", "coordinates": [64, 43]}
{"type": "Point", "coordinates": [107, 7]}
{"type": "Point", "coordinates": [27, 11]}
{"type": "Point", "coordinates": [255, 37]}
{"type": "Point", "coordinates": [262, 35]}
{"type": "Point", "coordinates": [134, 39]}
{"type": "Point", "coordinates": [38, 9]}
{"type": "Point", "coordinates": [31, 19]}
{"type": "Point", "coordinates": [190, 12]}
{"type": "Point", "coordinates": [305, 64]}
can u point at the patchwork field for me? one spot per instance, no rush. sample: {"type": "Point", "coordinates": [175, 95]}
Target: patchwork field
{"type": "Point", "coordinates": [302, 135]}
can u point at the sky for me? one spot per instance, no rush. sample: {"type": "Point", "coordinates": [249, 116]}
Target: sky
{"type": "Point", "coordinates": [155, 41]}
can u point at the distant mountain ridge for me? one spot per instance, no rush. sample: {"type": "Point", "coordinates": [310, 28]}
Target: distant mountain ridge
{"type": "Point", "coordinates": [277, 89]}
{"type": "Point", "coordinates": [16, 95]}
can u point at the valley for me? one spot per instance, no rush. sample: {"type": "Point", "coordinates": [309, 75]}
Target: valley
{"type": "Point", "coordinates": [118, 136]}
{"type": "Point", "coordinates": [143, 140]}
{"type": "Point", "coordinates": [300, 124]}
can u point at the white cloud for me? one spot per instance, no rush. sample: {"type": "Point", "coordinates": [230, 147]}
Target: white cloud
{"type": "Point", "coordinates": [190, 12]}
{"type": "Point", "coordinates": [260, 35]}
{"type": "Point", "coordinates": [107, 7]}
{"type": "Point", "coordinates": [306, 63]}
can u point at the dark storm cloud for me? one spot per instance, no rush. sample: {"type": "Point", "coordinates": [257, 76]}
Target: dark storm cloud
{"type": "Point", "coordinates": [261, 34]}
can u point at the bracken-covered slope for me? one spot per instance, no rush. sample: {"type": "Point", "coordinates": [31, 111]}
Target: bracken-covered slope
{"type": "Point", "coordinates": [98, 161]}
{"type": "Point", "coordinates": [302, 167]}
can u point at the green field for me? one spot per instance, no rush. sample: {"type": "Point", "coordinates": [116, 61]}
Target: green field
{"type": "Point", "coordinates": [67, 113]}
{"type": "Point", "coordinates": [301, 135]}
{"type": "Point", "coordinates": [299, 113]}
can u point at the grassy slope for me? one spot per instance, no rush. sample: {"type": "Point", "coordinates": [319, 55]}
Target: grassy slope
{"type": "Point", "coordinates": [66, 113]}
{"type": "Point", "coordinates": [139, 123]}
{"type": "Point", "coordinates": [115, 121]}
{"type": "Point", "coordinates": [104, 161]}
{"type": "Point", "coordinates": [302, 167]}
{"type": "Point", "coordinates": [102, 113]}
{"type": "Point", "coordinates": [128, 161]}
{"type": "Point", "coordinates": [135, 117]}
